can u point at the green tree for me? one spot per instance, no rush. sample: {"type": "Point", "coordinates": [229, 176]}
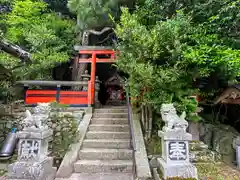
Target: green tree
{"type": "Point", "coordinates": [48, 37]}
{"type": "Point", "coordinates": [95, 13]}
{"type": "Point", "coordinates": [171, 55]}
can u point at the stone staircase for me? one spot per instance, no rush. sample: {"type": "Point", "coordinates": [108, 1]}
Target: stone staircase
{"type": "Point", "coordinates": [105, 153]}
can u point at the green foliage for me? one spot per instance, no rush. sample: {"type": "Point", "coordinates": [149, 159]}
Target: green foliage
{"type": "Point", "coordinates": [154, 60]}
{"type": "Point", "coordinates": [48, 37]}
{"type": "Point", "coordinates": [154, 145]}
{"type": "Point", "coordinates": [94, 13]}
{"type": "Point", "coordinates": [172, 54]}
{"type": "Point", "coordinates": [59, 6]}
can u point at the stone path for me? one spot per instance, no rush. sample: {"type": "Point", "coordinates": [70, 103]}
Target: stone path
{"type": "Point", "coordinates": [106, 152]}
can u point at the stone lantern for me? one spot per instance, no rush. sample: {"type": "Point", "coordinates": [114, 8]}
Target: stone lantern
{"type": "Point", "coordinates": [86, 78]}
{"type": "Point", "coordinates": [97, 89]}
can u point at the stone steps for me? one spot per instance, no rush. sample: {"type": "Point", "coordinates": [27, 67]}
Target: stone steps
{"type": "Point", "coordinates": [107, 135]}
{"type": "Point", "coordinates": [110, 115]}
{"type": "Point", "coordinates": [96, 166]}
{"type": "Point", "coordinates": [107, 110]}
{"type": "Point", "coordinates": [114, 107]}
{"type": "Point", "coordinates": [102, 176]}
{"type": "Point", "coordinates": [105, 154]}
{"type": "Point", "coordinates": [107, 143]}
{"type": "Point", "coordinates": [122, 121]}
{"type": "Point", "coordinates": [109, 127]}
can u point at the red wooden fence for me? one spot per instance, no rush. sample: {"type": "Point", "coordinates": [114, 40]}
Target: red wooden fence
{"type": "Point", "coordinates": [71, 98]}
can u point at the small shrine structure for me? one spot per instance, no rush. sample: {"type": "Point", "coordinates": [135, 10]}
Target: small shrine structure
{"type": "Point", "coordinates": [231, 95]}
{"type": "Point", "coordinates": [76, 98]}
{"type": "Point", "coordinates": [114, 86]}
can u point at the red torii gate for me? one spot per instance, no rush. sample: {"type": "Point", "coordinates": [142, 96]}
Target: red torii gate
{"type": "Point", "coordinates": [72, 98]}
{"type": "Point", "coordinates": [94, 51]}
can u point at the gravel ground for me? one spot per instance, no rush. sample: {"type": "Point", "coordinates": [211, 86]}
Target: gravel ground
{"type": "Point", "coordinates": [218, 171]}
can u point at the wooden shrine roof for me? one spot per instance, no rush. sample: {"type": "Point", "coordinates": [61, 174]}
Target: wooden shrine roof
{"type": "Point", "coordinates": [231, 95]}
{"type": "Point", "coordinates": [115, 80]}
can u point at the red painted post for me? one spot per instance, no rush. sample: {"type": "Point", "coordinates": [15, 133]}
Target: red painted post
{"type": "Point", "coordinates": [89, 93]}
{"type": "Point", "coordinates": [93, 75]}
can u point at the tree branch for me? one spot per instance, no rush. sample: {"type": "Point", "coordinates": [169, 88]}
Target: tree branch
{"type": "Point", "coordinates": [15, 51]}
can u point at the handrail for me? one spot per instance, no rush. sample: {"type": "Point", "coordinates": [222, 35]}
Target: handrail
{"type": "Point", "coordinates": [130, 122]}
{"type": "Point", "coordinates": [52, 83]}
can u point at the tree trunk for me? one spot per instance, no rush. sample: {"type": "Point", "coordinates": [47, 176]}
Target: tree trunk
{"type": "Point", "coordinates": [79, 69]}
{"type": "Point", "coordinates": [146, 122]}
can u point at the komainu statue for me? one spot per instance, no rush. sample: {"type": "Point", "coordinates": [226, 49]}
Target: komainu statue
{"type": "Point", "coordinates": [171, 119]}
{"type": "Point", "coordinates": [42, 108]}
{"type": "Point", "coordinates": [38, 120]}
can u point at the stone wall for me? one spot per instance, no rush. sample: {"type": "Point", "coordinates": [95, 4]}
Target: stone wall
{"type": "Point", "coordinates": [221, 139]}
{"type": "Point", "coordinates": [64, 125]}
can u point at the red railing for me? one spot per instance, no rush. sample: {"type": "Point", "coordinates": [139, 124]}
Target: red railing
{"type": "Point", "coordinates": [70, 97]}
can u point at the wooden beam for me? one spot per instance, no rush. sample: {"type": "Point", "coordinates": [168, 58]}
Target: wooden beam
{"type": "Point", "coordinates": [230, 101]}
{"type": "Point", "coordinates": [51, 83]}
{"type": "Point", "coordinates": [105, 52]}
{"type": "Point", "coordinates": [91, 48]}
{"type": "Point", "coordinates": [98, 60]}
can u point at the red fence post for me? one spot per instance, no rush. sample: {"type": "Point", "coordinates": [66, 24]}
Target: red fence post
{"type": "Point", "coordinates": [89, 93]}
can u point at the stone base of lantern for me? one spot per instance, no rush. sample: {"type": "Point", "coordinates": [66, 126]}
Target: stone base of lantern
{"type": "Point", "coordinates": [40, 170]}
{"type": "Point", "coordinates": [184, 170]}
{"type": "Point", "coordinates": [97, 104]}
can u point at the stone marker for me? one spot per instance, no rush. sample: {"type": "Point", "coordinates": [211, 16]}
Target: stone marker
{"type": "Point", "coordinates": [175, 145]}
{"type": "Point", "coordinates": [33, 162]}
{"type": "Point", "coordinates": [236, 146]}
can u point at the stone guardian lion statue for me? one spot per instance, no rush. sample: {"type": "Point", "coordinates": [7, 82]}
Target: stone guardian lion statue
{"type": "Point", "coordinates": [172, 120]}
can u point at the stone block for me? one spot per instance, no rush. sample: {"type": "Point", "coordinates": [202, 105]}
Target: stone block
{"type": "Point", "coordinates": [105, 143]}
{"type": "Point", "coordinates": [105, 154]}
{"type": "Point", "coordinates": [107, 135]}
{"type": "Point", "coordinates": [109, 127]}
{"type": "Point", "coordinates": [110, 115]}
{"type": "Point", "coordinates": [122, 121]}
{"type": "Point", "coordinates": [28, 170]}
{"type": "Point", "coordinates": [97, 166]}
{"type": "Point", "coordinates": [184, 170]}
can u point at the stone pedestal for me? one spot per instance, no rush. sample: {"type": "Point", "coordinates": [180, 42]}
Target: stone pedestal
{"type": "Point", "coordinates": [193, 129]}
{"type": "Point", "coordinates": [175, 155]}
{"type": "Point", "coordinates": [32, 162]}
{"type": "Point", "coordinates": [175, 145]}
